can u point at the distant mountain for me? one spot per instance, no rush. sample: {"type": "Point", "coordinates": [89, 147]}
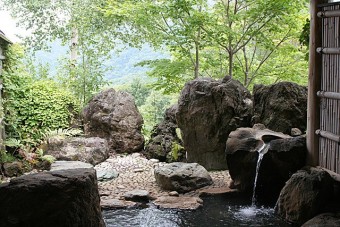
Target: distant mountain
{"type": "Point", "coordinates": [122, 64]}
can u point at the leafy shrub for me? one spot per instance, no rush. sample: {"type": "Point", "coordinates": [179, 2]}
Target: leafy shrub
{"type": "Point", "coordinates": [44, 106]}
{"type": "Point", "coordinates": [33, 106]}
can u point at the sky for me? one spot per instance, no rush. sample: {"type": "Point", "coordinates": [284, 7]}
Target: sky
{"type": "Point", "coordinates": [8, 26]}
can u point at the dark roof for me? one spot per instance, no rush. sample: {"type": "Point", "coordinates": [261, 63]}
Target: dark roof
{"type": "Point", "coordinates": [2, 36]}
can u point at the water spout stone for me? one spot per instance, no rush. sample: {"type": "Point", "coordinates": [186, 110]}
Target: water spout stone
{"type": "Point", "coordinates": [284, 156]}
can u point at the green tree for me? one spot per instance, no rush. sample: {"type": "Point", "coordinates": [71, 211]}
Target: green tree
{"type": "Point", "coordinates": [139, 90]}
{"type": "Point", "coordinates": [235, 37]}
{"type": "Point", "coordinates": [173, 24]}
{"type": "Point", "coordinates": [250, 32]}
{"type": "Point", "coordinates": [77, 22]}
{"type": "Point", "coordinates": [153, 110]}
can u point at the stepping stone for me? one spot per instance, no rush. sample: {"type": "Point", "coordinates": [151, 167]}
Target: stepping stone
{"type": "Point", "coordinates": [137, 195]}
{"type": "Point", "coordinates": [106, 174]}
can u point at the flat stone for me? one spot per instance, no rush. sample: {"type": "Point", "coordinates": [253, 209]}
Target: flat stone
{"type": "Point", "coordinates": [135, 155]}
{"type": "Point", "coordinates": [295, 132]}
{"type": "Point", "coordinates": [137, 195]}
{"type": "Point", "coordinates": [138, 170]}
{"type": "Point", "coordinates": [121, 187]}
{"type": "Point", "coordinates": [104, 193]}
{"type": "Point", "coordinates": [184, 202]}
{"type": "Point", "coordinates": [63, 165]}
{"type": "Point", "coordinates": [217, 191]}
{"type": "Point", "coordinates": [106, 174]}
{"type": "Point", "coordinates": [173, 193]}
{"type": "Point", "coordinates": [116, 203]}
{"type": "Point", "coordinates": [153, 160]}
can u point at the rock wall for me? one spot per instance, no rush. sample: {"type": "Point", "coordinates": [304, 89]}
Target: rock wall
{"type": "Point", "coordinates": [208, 110]}
{"type": "Point", "coordinates": [54, 199]}
{"type": "Point", "coordinates": [114, 116]}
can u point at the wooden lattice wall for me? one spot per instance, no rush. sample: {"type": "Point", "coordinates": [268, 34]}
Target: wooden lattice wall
{"type": "Point", "coordinates": [324, 86]}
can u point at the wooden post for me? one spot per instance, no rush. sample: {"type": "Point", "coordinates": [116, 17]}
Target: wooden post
{"type": "Point", "coordinates": [314, 83]}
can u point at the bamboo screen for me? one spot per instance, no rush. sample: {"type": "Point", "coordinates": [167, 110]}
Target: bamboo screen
{"type": "Point", "coordinates": [329, 143]}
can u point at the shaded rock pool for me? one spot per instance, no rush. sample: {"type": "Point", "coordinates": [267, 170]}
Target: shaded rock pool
{"type": "Point", "coordinates": [220, 210]}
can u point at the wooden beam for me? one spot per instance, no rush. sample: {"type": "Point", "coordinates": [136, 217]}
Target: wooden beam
{"type": "Point", "coordinates": [314, 82]}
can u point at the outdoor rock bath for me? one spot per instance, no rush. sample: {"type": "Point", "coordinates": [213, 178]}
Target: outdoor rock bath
{"type": "Point", "coordinates": [169, 113]}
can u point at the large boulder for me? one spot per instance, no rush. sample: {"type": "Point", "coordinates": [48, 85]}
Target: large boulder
{"type": "Point", "coordinates": [285, 156]}
{"type": "Point", "coordinates": [54, 199]}
{"type": "Point", "coordinates": [208, 110]}
{"type": "Point", "coordinates": [91, 150]}
{"type": "Point", "coordinates": [165, 143]}
{"type": "Point", "coordinates": [281, 107]}
{"type": "Point", "coordinates": [304, 195]}
{"type": "Point", "coordinates": [182, 177]}
{"type": "Point", "coordinates": [114, 116]}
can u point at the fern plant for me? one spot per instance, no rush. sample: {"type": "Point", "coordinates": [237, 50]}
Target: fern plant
{"type": "Point", "coordinates": [61, 133]}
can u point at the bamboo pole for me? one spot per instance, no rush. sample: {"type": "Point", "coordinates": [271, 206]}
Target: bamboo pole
{"type": "Point", "coordinates": [315, 60]}
{"type": "Point", "coordinates": [337, 79]}
{"type": "Point", "coordinates": [329, 13]}
{"type": "Point", "coordinates": [328, 135]}
{"type": "Point", "coordinates": [328, 50]}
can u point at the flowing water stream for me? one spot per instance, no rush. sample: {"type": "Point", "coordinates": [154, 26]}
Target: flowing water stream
{"type": "Point", "coordinates": [262, 151]}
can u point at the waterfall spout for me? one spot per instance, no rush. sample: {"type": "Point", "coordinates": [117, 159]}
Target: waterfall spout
{"type": "Point", "coordinates": [262, 151]}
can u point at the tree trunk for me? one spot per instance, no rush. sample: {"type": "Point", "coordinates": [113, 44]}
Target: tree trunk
{"type": "Point", "coordinates": [74, 46]}
{"type": "Point", "coordinates": [231, 56]}
{"type": "Point", "coordinates": [197, 62]}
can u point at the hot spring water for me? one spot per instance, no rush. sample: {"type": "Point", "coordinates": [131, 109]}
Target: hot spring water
{"type": "Point", "coordinates": [220, 210]}
{"type": "Point", "coordinates": [262, 151]}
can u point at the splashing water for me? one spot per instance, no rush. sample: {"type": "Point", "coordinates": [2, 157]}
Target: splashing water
{"type": "Point", "coordinates": [262, 151]}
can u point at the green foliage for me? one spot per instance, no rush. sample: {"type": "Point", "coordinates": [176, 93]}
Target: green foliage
{"type": "Point", "coordinates": [48, 158]}
{"type": "Point", "coordinates": [139, 90]}
{"type": "Point", "coordinates": [6, 157]}
{"type": "Point", "coordinates": [92, 43]}
{"type": "Point", "coordinates": [215, 38]}
{"type": "Point", "coordinates": [83, 81]}
{"type": "Point", "coordinates": [44, 106]}
{"type": "Point", "coordinates": [179, 133]}
{"type": "Point", "coordinates": [33, 106]}
{"type": "Point", "coordinates": [61, 133]}
{"type": "Point", "coordinates": [153, 110]}
{"type": "Point", "coordinates": [170, 74]}
{"type": "Point", "coordinates": [175, 148]}
{"type": "Point", "coordinates": [304, 36]}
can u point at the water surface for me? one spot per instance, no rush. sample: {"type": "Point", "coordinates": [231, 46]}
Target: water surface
{"type": "Point", "coordinates": [217, 211]}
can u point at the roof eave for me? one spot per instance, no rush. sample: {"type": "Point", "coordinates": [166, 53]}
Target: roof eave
{"type": "Point", "coordinates": [5, 38]}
